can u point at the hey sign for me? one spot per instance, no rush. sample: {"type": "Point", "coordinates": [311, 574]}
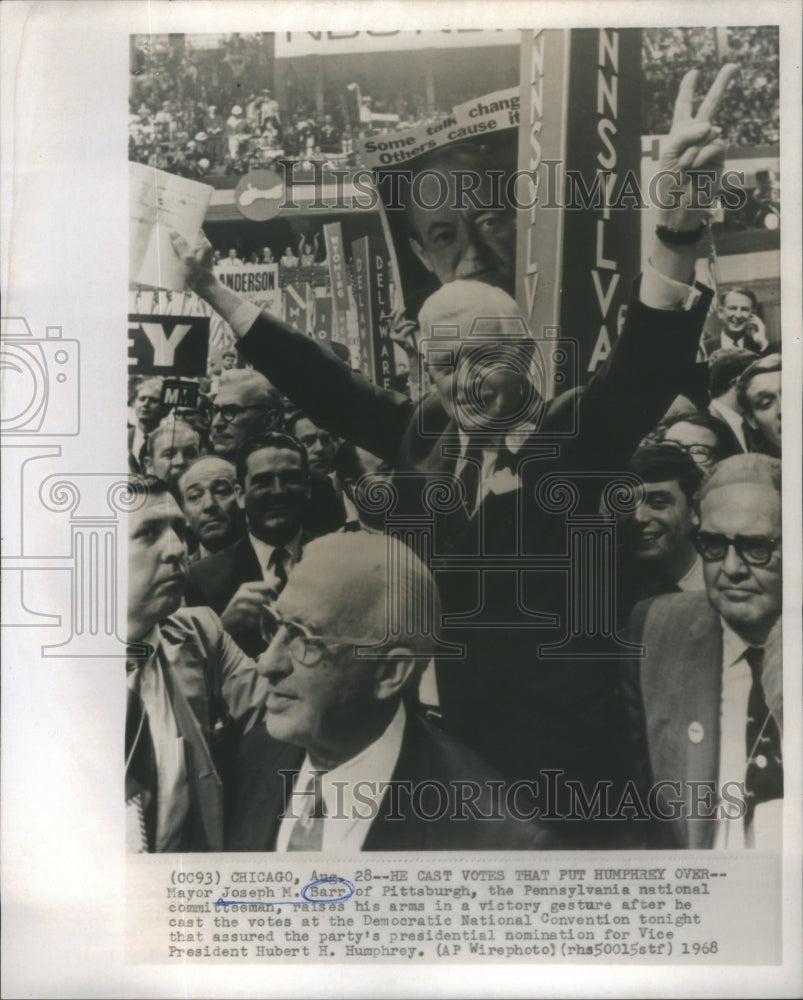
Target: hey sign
{"type": "Point", "coordinates": [167, 345]}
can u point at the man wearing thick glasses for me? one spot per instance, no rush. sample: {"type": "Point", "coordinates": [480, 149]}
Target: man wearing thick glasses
{"type": "Point", "coordinates": [712, 768]}
{"type": "Point", "coordinates": [355, 769]}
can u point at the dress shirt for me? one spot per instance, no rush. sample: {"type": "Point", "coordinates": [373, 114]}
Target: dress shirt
{"type": "Point", "coordinates": [264, 551]}
{"type": "Point", "coordinates": [172, 789]}
{"type": "Point", "coordinates": [693, 579]}
{"type": "Point", "coordinates": [348, 819]}
{"type": "Point", "coordinates": [736, 683]}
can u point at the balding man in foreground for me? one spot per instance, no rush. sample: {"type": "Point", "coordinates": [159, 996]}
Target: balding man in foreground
{"type": "Point", "coordinates": [355, 768]}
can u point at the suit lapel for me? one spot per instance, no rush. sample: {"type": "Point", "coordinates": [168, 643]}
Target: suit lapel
{"type": "Point", "coordinates": [205, 784]}
{"type": "Point", "coordinates": [407, 831]}
{"type": "Point", "coordinates": [264, 792]}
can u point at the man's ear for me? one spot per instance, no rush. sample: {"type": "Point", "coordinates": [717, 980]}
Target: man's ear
{"type": "Point", "coordinates": [149, 465]}
{"type": "Point", "coordinates": [393, 672]}
{"type": "Point", "coordinates": [418, 250]}
{"type": "Point", "coordinates": [240, 494]}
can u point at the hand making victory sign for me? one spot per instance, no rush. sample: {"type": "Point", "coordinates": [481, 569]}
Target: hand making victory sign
{"type": "Point", "coordinates": [683, 202]}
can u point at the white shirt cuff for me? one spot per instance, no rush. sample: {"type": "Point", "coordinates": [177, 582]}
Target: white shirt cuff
{"type": "Point", "coordinates": [244, 317]}
{"type": "Point", "coordinates": [659, 292]}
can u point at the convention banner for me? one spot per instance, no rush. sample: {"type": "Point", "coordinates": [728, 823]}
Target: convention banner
{"type": "Point", "coordinates": [167, 345]}
{"type": "Point", "coordinates": [296, 304]}
{"type": "Point", "coordinates": [372, 289]}
{"type": "Point", "coordinates": [338, 278]}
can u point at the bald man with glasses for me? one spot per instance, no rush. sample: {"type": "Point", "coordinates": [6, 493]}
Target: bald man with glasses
{"type": "Point", "coordinates": [709, 745]}
{"type": "Point", "coordinates": [344, 762]}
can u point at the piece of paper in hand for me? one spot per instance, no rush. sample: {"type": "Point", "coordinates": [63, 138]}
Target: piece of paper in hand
{"type": "Point", "coordinates": [159, 203]}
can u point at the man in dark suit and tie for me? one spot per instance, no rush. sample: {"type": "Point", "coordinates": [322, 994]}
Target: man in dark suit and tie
{"type": "Point", "coordinates": [471, 453]}
{"type": "Point", "coordinates": [148, 412]}
{"type": "Point", "coordinates": [273, 490]}
{"type": "Point", "coordinates": [710, 747]}
{"type": "Point", "coordinates": [343, 762]}
{"type": "Point", "coordinates": [191, 691]}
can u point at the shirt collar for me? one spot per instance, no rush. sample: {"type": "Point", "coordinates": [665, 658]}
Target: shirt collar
{"type": "Point", "coordinates": [373, 767]}
{"type": "Point", "coordinates": [733, 645]}
{"type": "Point", "coordinates": [264, 550]}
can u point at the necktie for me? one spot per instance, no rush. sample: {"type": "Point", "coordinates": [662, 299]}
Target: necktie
{"type": "Point", "coordinates": [278, 565]}
{"type": "Point", "coordinates": [141, 773]}
{"type": "Point", "coordinates": [307, 834]}
{"type": "Point", "coordinates": [764, 772]}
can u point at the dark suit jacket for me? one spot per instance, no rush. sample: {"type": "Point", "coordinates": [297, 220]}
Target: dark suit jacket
{"type": "Point", "coordinates": [426, 755]}
{"type": "Point", "coordinates": [516, 708]}
{"type": "Point", "coordinates": [674, 708]}
{"type": "Point", "coordinates": [213, 581]}
{"type": "Point", "coordinates": [216, 694]}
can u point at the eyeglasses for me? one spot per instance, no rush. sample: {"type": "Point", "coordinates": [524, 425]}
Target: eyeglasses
{"type": "Point", "coordinates": [699, 452]}
{"type": "Point", "coordinates": [304, 646]}
{"type": "Point", "coordinates": [230, 411]}
{"type": "Point", "coordinates": [755, 550]}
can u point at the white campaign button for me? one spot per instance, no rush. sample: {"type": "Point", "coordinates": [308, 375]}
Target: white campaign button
{"type": "Point", "coordinates": [696, 732]}
{"type": "Point", "coordinates": [761, 761]}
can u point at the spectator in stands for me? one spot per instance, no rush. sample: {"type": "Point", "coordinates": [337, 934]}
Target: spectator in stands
{"type": "Point", "coordinates": [274, 491]}
{"type": "Point", "coordinates": [234, 131]}
{"type": "Point", "coordinates": [658, 555]}
{"type": "Point", "coordinates": [268, 109]}
{"type": "Point", "coordinates": [148, 412]}
{"type": "Point", "coordinates": [725, 367]}
{"type": "Point", "coordinates": [741, 325]}
{"type": "Point", "coordinates": [213, 125]}
{"type": "Point", "coordinates": [267, 256]}
{"type": "Point", "coordinates": [307, 251]}
{"type": "Point", "coordinates": [288, 258]}
{"type": "Point", "coordinates": [208, 491]}
{"type": "Point", "coordinates": [758, 392]}
{"type": "Point", "coordinates": [172, 448]}
{"type": "Point", "coordinates": [228, 360]}
{"type": "Point", "coordinates": [232, 262]}
{"type": "Point", "coordinates": [329, 139]}
{"type": "Point", "coordinates": [246, 404]}
{"type": "Point", "coordinates": [705, 439]}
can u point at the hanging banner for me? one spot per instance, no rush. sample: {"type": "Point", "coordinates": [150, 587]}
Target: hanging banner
{"type": "Point", "coordinates": [167, 345]}
{"type": "Point", "coordinates": [338, 279]}
{"type": "Point", "coordinates": [322, 320]}
{"type": "Point", "coordinates": [602, 224]}
{"type": "Point", "coordinates": [372, 288]}
{"type": "Point", "coordinates": [296, 305]}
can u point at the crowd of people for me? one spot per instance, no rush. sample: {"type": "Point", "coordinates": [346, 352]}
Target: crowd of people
{"type": "Point", "coordinates": [751, 115]}
{"type": "Point", "coordinates": [360, 611]}
{"type": "Point", "coordinates": [197, 112]}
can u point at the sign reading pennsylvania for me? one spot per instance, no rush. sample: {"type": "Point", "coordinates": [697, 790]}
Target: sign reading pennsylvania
{"type": "Point", "coordinates": [167, 345]}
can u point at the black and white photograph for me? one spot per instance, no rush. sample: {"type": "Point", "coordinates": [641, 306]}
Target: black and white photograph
{"type": "Point", "coordinates": [400, 403]}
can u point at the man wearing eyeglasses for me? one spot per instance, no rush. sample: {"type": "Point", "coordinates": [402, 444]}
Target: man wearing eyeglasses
{"type": "Point", "coordinates": [711, 749]}
{"type": "Point", "coordinates": [246, 403]}
{"type": "Point", "coordinates": [343, 762]}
